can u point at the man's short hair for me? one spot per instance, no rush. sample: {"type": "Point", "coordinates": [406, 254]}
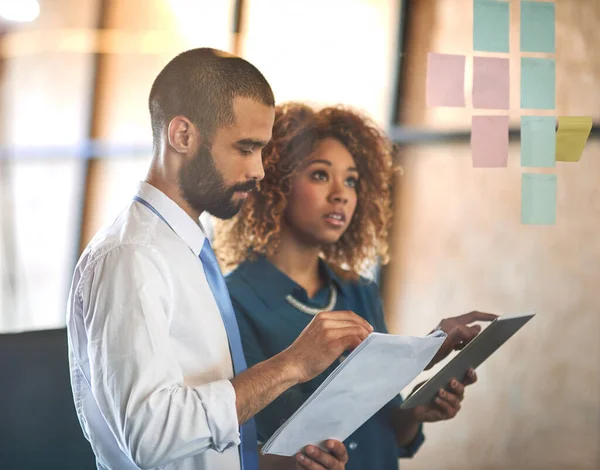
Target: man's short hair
{"type": "Point", "coordinates": [201, 84]}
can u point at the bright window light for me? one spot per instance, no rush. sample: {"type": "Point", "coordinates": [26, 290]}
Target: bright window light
{"type": "Point", "coordinates": [19, 10]}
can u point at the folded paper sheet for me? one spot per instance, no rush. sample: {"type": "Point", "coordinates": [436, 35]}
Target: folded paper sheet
{"type": "Point", "coordinates": [571, 136]}
{"type": "Point", "coordinates": [370, 377]}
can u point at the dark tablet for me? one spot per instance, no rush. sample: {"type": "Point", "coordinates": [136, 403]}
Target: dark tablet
{"type": "Point", "coordinates": [473, 355]}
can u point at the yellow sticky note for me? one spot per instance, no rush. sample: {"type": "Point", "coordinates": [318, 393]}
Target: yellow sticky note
{"type": "Point", "coordinates": [571, 136]}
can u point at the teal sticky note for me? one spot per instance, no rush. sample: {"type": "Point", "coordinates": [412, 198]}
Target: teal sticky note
{"type": "Point", "coordinates": [538, 141]}
{"type": "Point", "coordinates": [538, 199]}
{"type": "Point", "coordinates": [491, 25]}
{"type": "Point", "coordinates": [538, 83]}
{"type": "Point", "coordinates": [537, 27]}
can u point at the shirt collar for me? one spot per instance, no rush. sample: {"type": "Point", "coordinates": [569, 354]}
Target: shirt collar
{"type": "Point", "coordinates": [333, 277]}
{"type": "Point", "coordinates": [273, 280]}
{"type": "Point", "coordinates": [189, 230]}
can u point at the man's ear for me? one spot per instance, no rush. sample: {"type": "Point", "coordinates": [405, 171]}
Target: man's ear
{"type": "Point", "coordinates": [183, 135]}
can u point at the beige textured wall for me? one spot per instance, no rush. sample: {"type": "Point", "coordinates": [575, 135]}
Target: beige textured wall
{"type": "Point", "coordinates": [459, 245]}
{"type": "Point", "coordinates": [445, 26]}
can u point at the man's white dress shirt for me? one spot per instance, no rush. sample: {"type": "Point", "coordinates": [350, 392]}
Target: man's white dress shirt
{"type": "Point", "coordinates": [149, 357]}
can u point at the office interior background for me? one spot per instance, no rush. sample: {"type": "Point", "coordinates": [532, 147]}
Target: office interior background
{"type": "Point", "coordinates": [75, 139]}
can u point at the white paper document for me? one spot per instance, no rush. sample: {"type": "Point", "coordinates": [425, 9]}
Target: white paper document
{"type": "Point", "coordinates": [370, 377]}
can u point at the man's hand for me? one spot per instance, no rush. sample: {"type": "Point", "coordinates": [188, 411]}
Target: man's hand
{"type": "Point", "coordinates": [313, 458]}
{"type": "Point", "coordinates": [325, 338]}
{"type": "Point", "coordinates": [447, 404]}
{"type": "Point", "coordinates": [459, 333]}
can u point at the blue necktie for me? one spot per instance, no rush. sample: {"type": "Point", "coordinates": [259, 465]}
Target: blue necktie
{"type": "Point", "coordinates": [216, 282]}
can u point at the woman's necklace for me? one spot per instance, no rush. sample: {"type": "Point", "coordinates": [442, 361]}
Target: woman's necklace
{"type": "Point", "coordinates": [314, 311]}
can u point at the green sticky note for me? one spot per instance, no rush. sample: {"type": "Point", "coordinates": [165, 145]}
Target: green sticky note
{"type": "Point", "coordinates": [537, 27]}
{"type": "Point", "coordinates": [491, 25]}
{"type": "Point", "coordinates": [538, 199]}
{"type": "Point", "coordinates": [538, 83]}
{"type": "Point", "coordinates": [538, 141]}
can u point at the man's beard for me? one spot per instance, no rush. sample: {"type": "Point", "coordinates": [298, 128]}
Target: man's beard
{"type": "Point", "coordinates": [204, 189]}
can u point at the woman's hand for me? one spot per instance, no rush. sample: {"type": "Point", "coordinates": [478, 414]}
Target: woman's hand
{"type": "Point", "coordinates": [313, 458]}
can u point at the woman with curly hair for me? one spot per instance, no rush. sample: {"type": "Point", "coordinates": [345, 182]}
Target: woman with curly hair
{"type": "Point", "coordinates": [299, 246]}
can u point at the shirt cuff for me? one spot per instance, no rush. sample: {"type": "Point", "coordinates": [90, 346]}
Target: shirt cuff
{"type": "Point", "coordinates": [218, 399]}
{"type": "Point", "coordinates": [411, 448]}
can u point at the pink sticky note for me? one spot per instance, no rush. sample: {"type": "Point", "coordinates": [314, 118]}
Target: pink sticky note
{"type": "Point", "coordinates": [445, 80]}
{"type": "Point", "coordinates": [489, 141]}
{"type": "Point", "coordinates": [491, 83]}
